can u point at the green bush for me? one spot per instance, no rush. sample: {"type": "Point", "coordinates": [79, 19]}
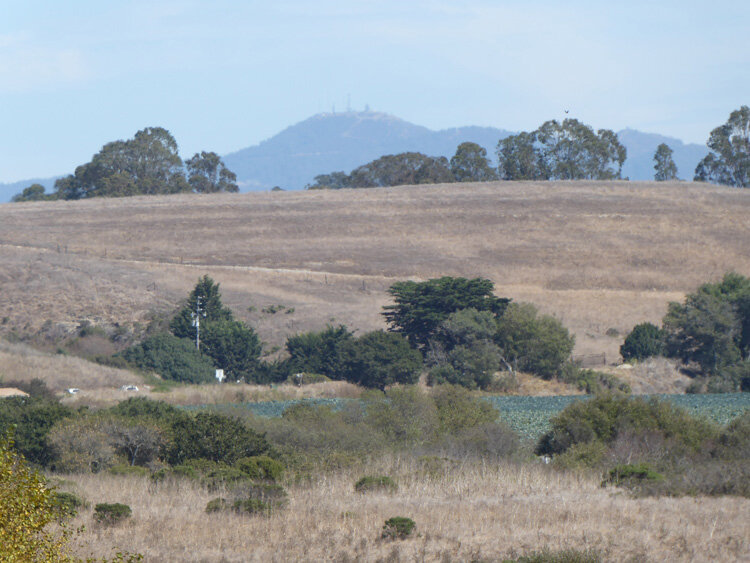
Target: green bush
{"type": "Point", "coordinates": [214, 437]}
{"type": "Point", "coordinates": [644, 341]}
{"type": "Point", "coordinates": [734, 441]}
{"type": "Point", "coordinates": [712, 326]}
{"type": "Point", "coordinates": [458, 409]}
{"type": "Point", "coordinates": [535, 344]}
{"type": "Point", "coordinates": [317, 352]}
{"type": "Point", "coordinates": [378, 359]}
{"type": "Point", "coordinates": [111, 514]}
{"type": "Point", "coordinates": [172, 358]}
{"type": "Point", "coordinates": [462, 351]}
{"type": "Point", "coordinates": [606, 416]}
{"type": "Point", "coordinates": [584, 455]}
{"type": "Point", "coordinates": [371, 483]}
{"type": "Point", "coordinates": [628, 473]}
{"type": "Point", "coordinates": [233, 347]}
{"type": "Point", "coordinates": [216, 505]}
{"type": "Point", "coordinates": [33, 419]}
{"type": "Point", "coordinates": [592, 382]}
{"type": "Point", "coordinates": [261, 467]}
{"type": "Point", "coordinates": [67, 504]}
{"type": "Point", "coordinates": [398, 528]}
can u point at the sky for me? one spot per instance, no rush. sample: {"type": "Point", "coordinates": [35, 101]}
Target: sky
{"type": "Point", "coordinates": [226, 74]}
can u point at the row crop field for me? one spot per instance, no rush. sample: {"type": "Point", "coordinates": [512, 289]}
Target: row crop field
{"type": "Point", "coordinates": [530, 416]}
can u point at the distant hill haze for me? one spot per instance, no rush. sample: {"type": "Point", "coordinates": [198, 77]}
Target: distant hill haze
{"type": "Point", "coordinates": [330, 142]}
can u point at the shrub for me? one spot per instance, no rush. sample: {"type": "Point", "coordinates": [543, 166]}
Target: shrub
{"type": "Point", "coordinates": [252, 506]}
{"type": "Point", "coordinates": [606, 416]}
{"type": "Point", "coordinates": [172, 358]}
{"type": "Point", "coordinates": [371, 483]}
{"type": "Point", "coordinates": [712, 326]}
{"type": "Point", "coordinates": [378, 359]}
{"type": "Point", "coordinates": [233, 347]}
{"type": "Point", "coordinates": [261, 467]}
{"type": "Point", "coordinates": [81, 445]}
{"type": "Point", "coordinates": [214, 437]}
{"type": "Point", "coordinates": [458, 410]}
{"type": "Point", "coordinates": [216, 505]}
{"type": "Point", "coordinates": [592, 382]}
{"type": "Point", "coordinates": [404, 415]}
{"type": "Point", "coordinates": [67, 504]}
{"type": "Point", "coordinates": [644, 341]}
{"type": "Point", "coordinates": [223, 477]}
{"type": "Point", "coordinates": [535, 344]}
{"type": "Point", "coordinates": [734, 441]}
{"type": "Point", "coordinates": [462, 350]}
{"type": "Point", "coordinates": [629, 473]}
{"type": "Point", "coordinates": [33, 419]}
{"type": "Point", "coordinates": [318, 352]}
{"type": "Point", "coordinates": [28, 506]}
{"type": "Point", "coordinates": [111, 514]}
{"type": "Point", "coordinates": [584, 455]}
{"type": "Point", "coordinates": [398, 528]}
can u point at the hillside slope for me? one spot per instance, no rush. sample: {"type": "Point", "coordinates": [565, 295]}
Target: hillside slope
{"type": "Point", "coordinates": [598, 255]}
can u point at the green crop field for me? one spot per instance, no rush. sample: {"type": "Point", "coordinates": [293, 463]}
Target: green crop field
{"type": "Point", "coordinates": [530, 416]}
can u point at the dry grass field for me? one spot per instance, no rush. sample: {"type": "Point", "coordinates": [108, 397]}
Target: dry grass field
{"type": "Point", "coordinates": [475, 512]}
{"type": "Point", "coordinates": [598, 255]}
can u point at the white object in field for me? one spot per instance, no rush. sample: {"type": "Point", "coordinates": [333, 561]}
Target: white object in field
{"type": "Point", "coordinates": [73, 390]}
{"type": "Point", "coordinates": [220, 377]}
{"type": "Point", "coordinates": [128, 388]}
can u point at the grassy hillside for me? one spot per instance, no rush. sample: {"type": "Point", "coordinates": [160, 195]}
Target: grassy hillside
{"type": "Point", "coordinates": [599, 255]}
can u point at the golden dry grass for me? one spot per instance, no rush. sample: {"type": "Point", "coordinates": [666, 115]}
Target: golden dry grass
{"type": "Point", "coordinates": [598, 255]}
{"type": "Point", "coordinates": [470, 512]}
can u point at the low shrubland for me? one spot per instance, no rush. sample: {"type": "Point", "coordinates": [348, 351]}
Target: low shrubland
{"type": "Point", "coordinates": [651, 447]}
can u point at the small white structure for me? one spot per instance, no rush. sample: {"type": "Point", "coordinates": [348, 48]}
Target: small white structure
{"type": "Point", "coordinates": [73, 390]}
{"type": "Point", "coordinates": [128, 388]}
{"type": "Point", "coordinates": [220, 377]}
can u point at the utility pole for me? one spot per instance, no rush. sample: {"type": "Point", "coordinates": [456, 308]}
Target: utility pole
{"type": "Point", "coordinates": [196, 315]}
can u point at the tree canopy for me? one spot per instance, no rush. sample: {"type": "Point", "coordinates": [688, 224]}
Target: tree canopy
{"type": "Point", "coordinates": [232, 345]}
{"type": "Point", "coordinates": [712, 326]}
{"type": "Point", "coordinates": [570, 150]}
{"type": "Point", "coordinates": [35, 192]}
{"type": "Point", "coordinates": [664, 166]}
{"type": "Point", "coordinates": [470, 164]}
{"type": "Point", "coordinates": [378, 359]}
{"type": "Point", "coordinates": [390, 170]}
{"type": "Point", "coordinates": [147, 164]}
{"type": "Point", "coordinates": [207, 174]}
{"type": "Point", "coordinates": [728, 162]}
{"type": "Point", "coordinates": [400, 169]}
{"type": "Point", "coordinates": [420, 307]}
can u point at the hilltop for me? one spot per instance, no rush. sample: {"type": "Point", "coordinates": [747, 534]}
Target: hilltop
{"type": "Point", "coordinates": [600, 256]}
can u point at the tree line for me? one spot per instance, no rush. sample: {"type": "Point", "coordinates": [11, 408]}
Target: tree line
{"type": "Point", "coordinates": [567, 150]}
{"type": "Point", "coordinates": [147, 164]}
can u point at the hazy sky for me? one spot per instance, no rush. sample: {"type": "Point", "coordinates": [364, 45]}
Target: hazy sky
{"type": "Point", "coordinates": [224, 75]}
